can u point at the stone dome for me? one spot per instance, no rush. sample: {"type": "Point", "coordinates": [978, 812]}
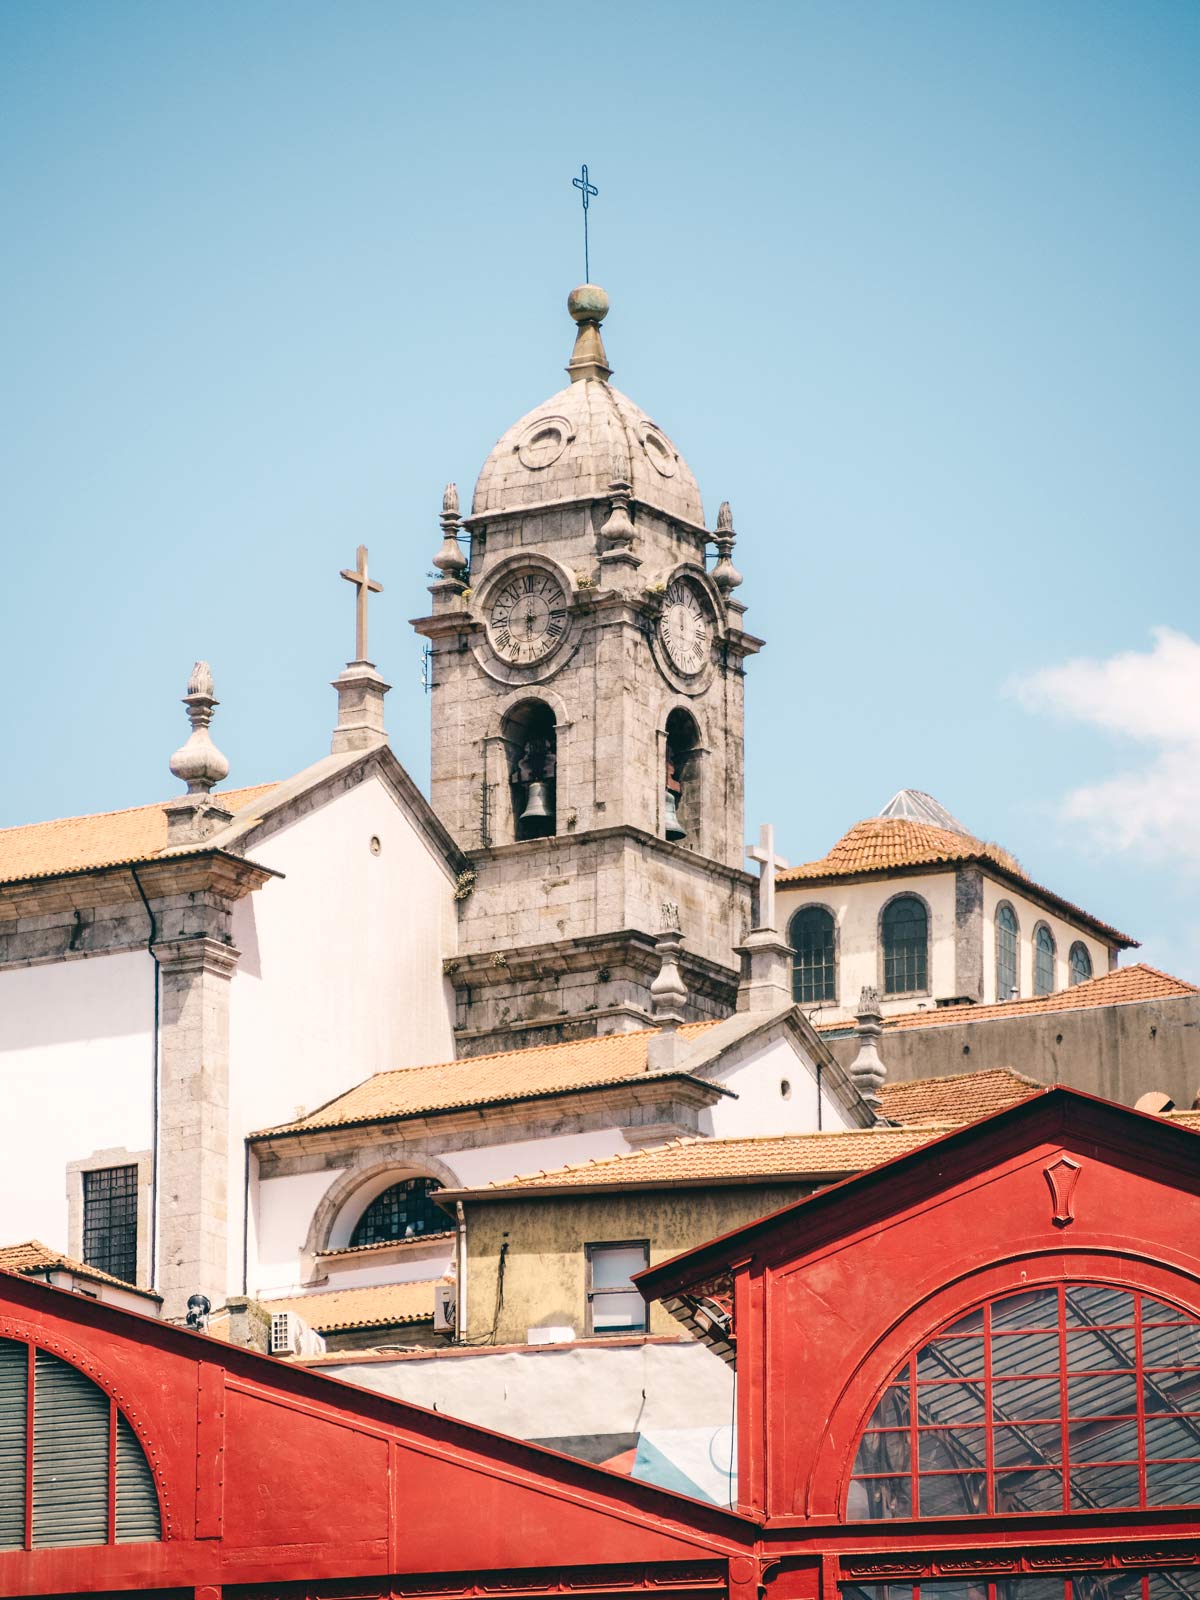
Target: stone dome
{"type": "Point", "coordinates": [579, 440]}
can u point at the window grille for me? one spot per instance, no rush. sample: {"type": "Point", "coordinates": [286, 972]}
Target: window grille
{"type": "Point", "coordinates": [1043, 961]}
{"type": "Point", "coordinates": [1006, 953]}
{"type": "Point", "coordinates": [87, 1481]}
{"type": "Point", "coordinates": [405, 1211]}
{"type": "Point", "coordinates": [905, 946]}
{"type": "Point", "coordinates": [110, 1221]}
{"type": "Point", "coordinates": [1081, 963]}
{"type": "Point", "coordinates": [1077, 1397]}
{"type": "Point", "coordinates": [613, 1304]}
{"type": "Point", "coordinates": [812, 936]}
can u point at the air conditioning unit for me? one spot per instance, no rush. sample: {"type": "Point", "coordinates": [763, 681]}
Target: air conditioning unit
{"type": "Point", "coordinates": [445, 1307]}
{"type": "Point", "coordinates": [291, 1336]}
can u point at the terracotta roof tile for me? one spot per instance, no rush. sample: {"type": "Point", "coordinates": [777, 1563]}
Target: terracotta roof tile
{"type": "Point", "coordinates": [488, 1080]}
{"type": "Point", "coordinates": [965, 1097]}
{"type": "Point", "coordinates": [698, 1160]}
{"type": "Point", "coordinates": [35, 1257]}
{"type": "Point", "coordinates": [884, 844]}
{"type": "Point", "coordinates": [381, 1305]}
{"type": "Point", "coordinates": [1121, 987]}
{"type": "Point", "coordinates": [104, 839]}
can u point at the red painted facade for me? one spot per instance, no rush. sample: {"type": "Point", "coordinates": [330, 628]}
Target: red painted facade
{"type": "Point", "coordinates": [277, 1482]}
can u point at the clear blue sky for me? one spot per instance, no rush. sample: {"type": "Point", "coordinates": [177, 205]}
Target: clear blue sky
{"type": "Point", "coordinates": [912, 285]}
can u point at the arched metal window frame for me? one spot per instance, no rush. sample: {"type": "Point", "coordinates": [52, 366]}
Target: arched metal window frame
{"type": "Point", "coordinates": [444, 1224]}
{"type": "Point", "coordinates": [1043, 927]}
{"type": "Point", "coordinates": [1015, 988]}
{"type": "Point", "coordinates": [827, 910]}
{"type": "Point", "coordinates": [34, 1339]}
{"type": "Point", "coordinates": [941, 1308]}
{"type": "Point", "coordinates": [1072, 980]}
{"type": "Point", "coordinates": [902, 994]}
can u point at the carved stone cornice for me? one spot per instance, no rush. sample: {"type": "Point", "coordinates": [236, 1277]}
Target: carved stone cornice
{"type": "Point", "coordinates": [183, 957]}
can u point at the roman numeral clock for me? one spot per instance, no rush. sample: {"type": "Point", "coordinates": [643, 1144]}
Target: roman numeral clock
{"type": "Point", "coordinates": [527, 616]}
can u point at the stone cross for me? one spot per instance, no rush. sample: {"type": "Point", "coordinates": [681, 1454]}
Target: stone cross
{"type": "Point", "coordinates": [768, 864]}
{"type": "Point", "coordinates": [366, 585]}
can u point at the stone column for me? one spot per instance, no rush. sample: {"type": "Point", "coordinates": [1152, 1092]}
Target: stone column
{"type": "Point", "coordinates": [193, 1118]}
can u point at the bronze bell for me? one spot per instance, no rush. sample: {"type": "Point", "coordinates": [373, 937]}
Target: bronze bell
{"type": "Point", "coordinates": [674, 828]}
{"type": "Point", "coordinates": [536, 809]}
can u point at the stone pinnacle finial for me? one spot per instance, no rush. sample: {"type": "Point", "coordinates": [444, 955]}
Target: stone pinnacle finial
{"type": "Point", "coordinates": [199, 763]}
{"type": "Point", "coordinates": [450, 561]}
{"type": "Point", "coordinates": [668, 996]}
{"type": "Point", "coordinates": [588, 306]}
{"type": "Point", "coordinates": [617, 532]}
{"type": "Point", "coordinates": [725, 575]}
{"type": "Point", "coordinates": [868, 1071]}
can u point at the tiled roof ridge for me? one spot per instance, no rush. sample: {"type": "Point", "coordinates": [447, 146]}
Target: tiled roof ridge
{"type": "Point", "coordinates": [709, 1143]}
{"type": "Point", "coordinates": [124, 811]}
{"type": "Point", "coordinates": [963, 1077]}
{"type": "Point", "coordinates": [1104, 988]}
{"type": "Point", "coordinates": [688, 1028]}
{"type": "Point", "coordinates": [1144, 966]}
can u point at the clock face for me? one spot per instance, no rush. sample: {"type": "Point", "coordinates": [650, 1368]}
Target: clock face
{"type": "Point", "coordinates": [684, 628]}
{"type": "Point", "coordinates": [528, 617]}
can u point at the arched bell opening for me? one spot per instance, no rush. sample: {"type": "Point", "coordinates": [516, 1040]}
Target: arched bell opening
{"type": "Point", "coordinates": [530, 735]}
{"type": "Point", "coordinates": [681, 779]}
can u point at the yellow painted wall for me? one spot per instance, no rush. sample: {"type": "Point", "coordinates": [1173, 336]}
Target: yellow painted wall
{"type": "Point", "coordinates": [545, 1269]}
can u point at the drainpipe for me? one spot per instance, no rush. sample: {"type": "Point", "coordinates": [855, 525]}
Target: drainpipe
{"type": "Point", "coordinates": [460, 1300]}
{"type": "Point", "coordinates": [150, 943]}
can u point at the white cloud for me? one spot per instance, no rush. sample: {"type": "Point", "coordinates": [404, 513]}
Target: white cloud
{"type": "Point", "coordinates": [1153, 808]}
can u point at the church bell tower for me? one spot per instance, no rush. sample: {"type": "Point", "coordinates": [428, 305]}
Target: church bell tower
{"type": "Point", "coordinates": [586, 681]}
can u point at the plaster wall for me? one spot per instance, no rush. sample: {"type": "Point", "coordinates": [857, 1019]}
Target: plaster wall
{"type": "Point", "coordinates": [559, 1391]}
{"type": "Point", "coordinates": [1117, 1052]}
{"type": "Point", "coordinates": [545, 1274]}
{"type": "Point", "coordinates": [857, 908]}
{"type": "Point", "coordinates": [340, 973]}
{"type": "Point", "coordinates": [1029, 915]}
{"type": "Point", "coordinates": [76, 1041]}
{"type": "Point", "coordinates": [777, 1092]}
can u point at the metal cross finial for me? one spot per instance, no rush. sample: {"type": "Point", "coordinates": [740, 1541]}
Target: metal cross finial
{"type": "Point", "coordinates": [768, 864]}
{"type": "Point", "coordinates": [586, 191]}
{"type": "Point", "coordinates": [366, 586]}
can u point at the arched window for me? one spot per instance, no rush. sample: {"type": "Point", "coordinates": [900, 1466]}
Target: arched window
{"type": "Point", "coordinates": [681, 807]}
{"type": "Point", "coordinates": [1073, 1397]}
{"type": "Point", "coordinates": [905, 946]}
{"type": "Point", "coordinates": [404, 1211]}
{"type": "Point", "coordinates": [86, 1480]}
{"type": "Point", "coordinates": [1043, 960]}
{"type": "Point", "coordinates": [531, 736]}
{"type": "Point", "coordinates": [1006, 953]}
{"type": "Point", "coordinates": [1081, 963]}
{"type": "Point", "coordinates": [812, 936]}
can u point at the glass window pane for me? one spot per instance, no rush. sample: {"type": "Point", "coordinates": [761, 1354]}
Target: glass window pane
{"type": "Point", "coordinates": [943, 1449]}
{"type": "Point", "coordinates": [884, 1452]}
{"type": "Point", "coordinates": [1029, 1491]}
{"type": "Point", "coordinates": [1183, 1584]}
{"type": "Point", "coordinates": [1033, 1445]}
{"type": "Point", "coordinates": [614, 1264]}
{"type": "Point", "coordinates": [951, 1358]}
{"type": "Point", "coordinates": [813, 938]}
{"type": "Point", "coordinates": [1177, 1346]}
{"type": "Point", "coordinates": [1029, 1589]}
{"type": "Point", "coordinates": [1090, 1304]}
{"type": "Point", "coordinates": [1081, 964]}
{"type": "Point", "coordinates": [1168, 1437]}
{"type": "Point", "coordinates": [618, 1312]}
{"type": "Point", "coordinates": [1104, 1486]}
{"type": "Point", "coordinates": [1107, 1586]}
{"type": "Point", "coordinates": [1172, 1391]}
{"type": "Point", "coordinates": [1104, 1442]}
{"type": "Point", "coordinates": [1173, 1483]}
{"type": "Point", "coordinates": [1103, 1395]}
{"type": "Point", "coordinates": [1032, 1308]}
{"type": "Point", "coordinates": [874, 1499]}
{"type": "Point", "coordinates": [905, 945]}
{"type": "Point", "coordinates": [1025, 1399]}
{"type": "Point", "coordinates": [404, 1211]}
{"type": "Point", "coordinates": [949, 1402]}
{"type": "Point", "coordinates": [1162, 1311]}
{"type": "Point", "coordinates": [1089, 1351]}
{"type": "Point", "coordinates": [952, 1494]}
{"type": "Point", "coordinates": [1028, 1353]}
{"type": "Point", "coordinates": [892, 1410]}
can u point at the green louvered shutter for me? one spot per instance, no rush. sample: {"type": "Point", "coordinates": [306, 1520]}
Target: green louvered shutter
{"type": "Point", "coordinates": [137, 1499]}
{"type": "Point", "coordinates": [70, 1456]}
{"type": "Point", "coordinates": [14, 1384]}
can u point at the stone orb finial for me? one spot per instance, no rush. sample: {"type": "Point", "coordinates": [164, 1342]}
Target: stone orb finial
{"type": "Point", "coordinates": [588, 303]}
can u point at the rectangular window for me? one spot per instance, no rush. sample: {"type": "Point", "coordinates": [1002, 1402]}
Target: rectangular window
{"type": "Point", "coordinates": [613, 1304]}
{"type": "Point", "coordinates": [110, 1221]}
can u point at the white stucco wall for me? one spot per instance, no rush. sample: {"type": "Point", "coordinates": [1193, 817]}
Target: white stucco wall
{"type": "Point", "coordinates": [284, 1206]}
{"type": "Point", "coordinates": [762, 1106]}
{"type": "Point", "coordinates": [77, 1073]}
{"type": "Point", "coordinates": [1029, 916]}
{"type": "Point", "coordinates": [341, 968]}
{"type": "Point", "coordinates": [856, 909]}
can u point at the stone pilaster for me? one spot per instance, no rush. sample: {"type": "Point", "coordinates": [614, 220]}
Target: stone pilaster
{"type": "Point", "coordinates": [193, 1158]}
